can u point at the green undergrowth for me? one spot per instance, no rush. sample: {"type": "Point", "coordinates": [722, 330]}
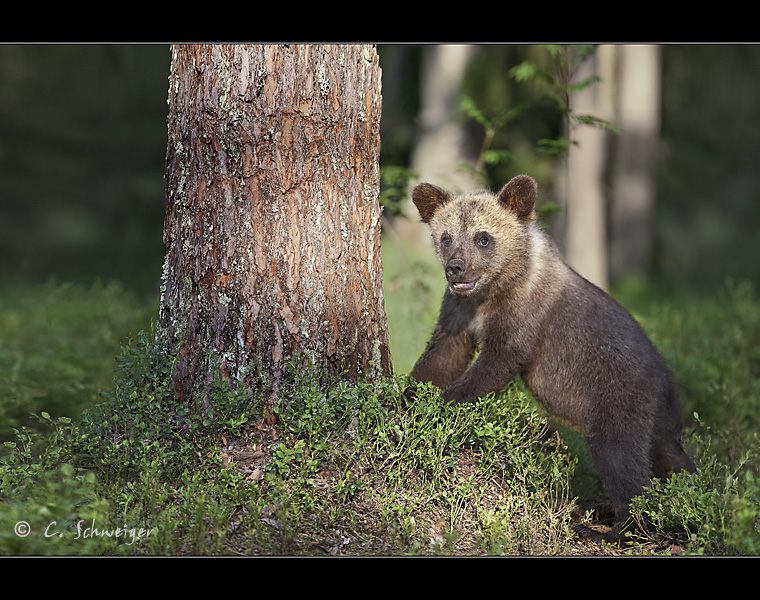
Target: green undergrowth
{"type": "Point", "coordinates": [348, 469]}
{"type": "Point", "coordinates": [354, 469]}
{"type": "Point", "coordinates": [57, 346]}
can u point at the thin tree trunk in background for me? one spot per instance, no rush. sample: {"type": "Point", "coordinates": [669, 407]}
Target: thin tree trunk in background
{"type": "Point", "coordinates": [439, 154]}
{"type": "Point", "coordinates": [272, 221]}
{"type": "Point", "coordinates": [585, 221]}
{"type": "Point", "coordinates": [637, 111]}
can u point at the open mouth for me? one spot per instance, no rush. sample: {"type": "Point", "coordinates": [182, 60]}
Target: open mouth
{"type": "Point", "coordinates": [462, 286]}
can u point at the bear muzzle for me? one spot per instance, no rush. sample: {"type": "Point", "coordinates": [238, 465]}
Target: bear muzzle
{"type": "Point", "coordinates": [455, 274]}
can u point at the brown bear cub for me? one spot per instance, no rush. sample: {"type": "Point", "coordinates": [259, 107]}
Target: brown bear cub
{"type": "Point", "coordinates": [585, 359]}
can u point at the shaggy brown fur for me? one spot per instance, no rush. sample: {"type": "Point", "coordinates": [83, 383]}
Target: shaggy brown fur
{"type": "Point", "coordinates": [585, 359]}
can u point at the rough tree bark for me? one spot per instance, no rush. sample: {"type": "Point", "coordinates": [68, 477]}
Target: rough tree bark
{"type": "Point", "coordinates": [272, 220]}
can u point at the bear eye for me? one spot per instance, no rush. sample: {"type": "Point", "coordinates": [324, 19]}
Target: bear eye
{"type": "Point", "coordinates": [484, 240]}
{"type": "Point", "coordinates": [445, 239]}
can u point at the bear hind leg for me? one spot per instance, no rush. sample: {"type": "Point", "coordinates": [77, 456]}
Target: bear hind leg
{"type": "Point", "coordinates": [668, 457]}
{"type": "Point", "coordinates": [624, 471]}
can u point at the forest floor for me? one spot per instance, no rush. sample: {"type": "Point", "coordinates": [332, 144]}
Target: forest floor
{"type": "Point", "coordinates": [360, 530]}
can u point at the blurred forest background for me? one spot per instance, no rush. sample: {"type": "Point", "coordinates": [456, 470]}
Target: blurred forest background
{"type": "Point", "coordinates": [83, 142]}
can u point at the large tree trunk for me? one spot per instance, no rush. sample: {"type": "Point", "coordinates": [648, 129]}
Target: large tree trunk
{"type": "Point", "coordinates": [272, 219]}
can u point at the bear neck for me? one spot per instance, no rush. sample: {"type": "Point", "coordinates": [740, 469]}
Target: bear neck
{"type": "Point", "coordinates": [538, 273]}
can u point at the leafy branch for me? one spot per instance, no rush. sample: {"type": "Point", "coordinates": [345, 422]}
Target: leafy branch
{"type": "Point", "coordinates": [491, 126]}
{"type": "Point", "coordinates": [561, 81]}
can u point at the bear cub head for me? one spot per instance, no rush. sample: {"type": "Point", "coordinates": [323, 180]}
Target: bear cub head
{"type": "Point", "coordinates": [480, 238]}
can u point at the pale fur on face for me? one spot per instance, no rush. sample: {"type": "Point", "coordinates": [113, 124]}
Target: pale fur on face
{"type": "Point", "coordinates": [464, 220]}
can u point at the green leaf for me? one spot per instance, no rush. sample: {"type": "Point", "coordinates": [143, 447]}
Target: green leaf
{"type": "Point", "coordinates": [523, 72]}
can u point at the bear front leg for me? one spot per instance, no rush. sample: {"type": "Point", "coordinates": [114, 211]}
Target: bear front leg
{"type": "Point", "coordinates": [447, 356]}
{"type": "Point", "coordinates": [491, 372]}
{"type": "Point", "coordinates": [452, 346]}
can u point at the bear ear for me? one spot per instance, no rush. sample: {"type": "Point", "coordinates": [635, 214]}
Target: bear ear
{"type": "Point", "coordinates": [428, 198]}
{"type": "Point", "coordinates": [519, 196]}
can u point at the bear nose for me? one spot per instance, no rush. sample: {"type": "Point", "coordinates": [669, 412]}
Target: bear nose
{"type": "Point", "coordinates": [455, 267]}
